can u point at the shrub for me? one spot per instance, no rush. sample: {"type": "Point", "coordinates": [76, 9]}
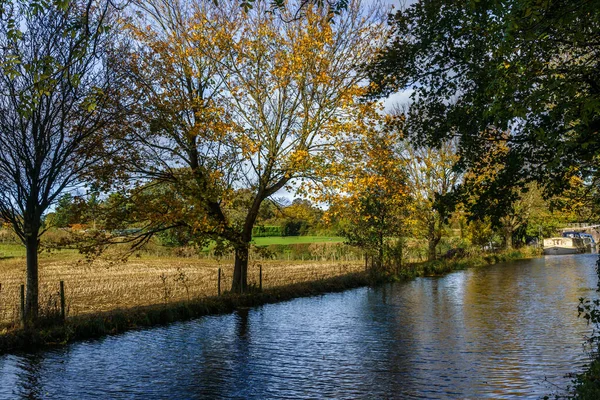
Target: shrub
{"type": "Point", "coordinates": [267, 231]}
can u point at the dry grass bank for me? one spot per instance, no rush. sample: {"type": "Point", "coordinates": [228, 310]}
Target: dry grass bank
{"type": "Point", "coordinates": [100, 286]}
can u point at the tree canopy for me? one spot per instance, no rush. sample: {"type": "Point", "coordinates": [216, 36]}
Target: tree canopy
{"type": "Point", "coordinates": [231, 100]}
{"type": "Point", "coordinates": [526, 72]}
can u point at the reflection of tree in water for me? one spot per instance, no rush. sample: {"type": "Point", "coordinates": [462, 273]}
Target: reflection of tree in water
{"type": "Point", "coordinates": [222, 370]}
{"type": "Point", "coordinates": [29, 375]}
{"type": "Point", "coordinates": [242, 322]}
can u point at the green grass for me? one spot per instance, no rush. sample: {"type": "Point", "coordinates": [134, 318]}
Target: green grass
{"type": "Point", "coordinates": [11, 250]}
{"type": "Point", "coordinates": [15, 250]}
{"type": "Point", "coordinates": [265, 241]}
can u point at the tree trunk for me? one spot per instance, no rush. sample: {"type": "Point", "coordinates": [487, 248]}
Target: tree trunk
{"type": "Point", "coordinates": [32, 297]}
{"type": "Point", "coordinates": [508, 234]}
{"type": "Point", "coordinates": [381, 252]}
{"type": "Point", "coordinates": [240, 269]}
{"type": "Point", "coordinates": [432, 245]}
{"type": "Point", "coordinates": [433, 238]}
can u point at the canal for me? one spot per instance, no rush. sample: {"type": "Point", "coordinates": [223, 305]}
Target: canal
{"type": "Point", "coordinates": [505, 331]}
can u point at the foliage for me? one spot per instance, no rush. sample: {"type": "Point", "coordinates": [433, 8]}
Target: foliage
{"type": "Point", "coordinates": [525, 72]}
{"type": "Point", "coordinates": [266, 231]}
{"type": "Point", "coordinates": [300, 217]}
{"type": "Point", "coordinates": [286, 240]}
{"type": "Point", "coordinates": [294, 227]}
{"type": "Point", "coordinates": [173, 237]}
{"type": "Point", "coordinates": [433, 181]}
{"type": "Point", "coordinates": [233, 106]}
{"type": "Point", "coordinates": [375, 198]}
{"type": "Point", "coordinates": [480, 233]}
{"type": "Point", "coordinates": [579, 202]}
{"type": "Point", "coordinates": [69, 210]}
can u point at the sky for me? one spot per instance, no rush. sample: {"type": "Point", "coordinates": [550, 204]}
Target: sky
{"type": "Point", "coordinates": [402, 97]}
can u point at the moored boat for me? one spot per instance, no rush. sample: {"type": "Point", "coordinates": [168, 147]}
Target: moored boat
{"type": "Point", "coordinates": [588, 240]}
{"type": "Point", "coordinates": [563, 245]}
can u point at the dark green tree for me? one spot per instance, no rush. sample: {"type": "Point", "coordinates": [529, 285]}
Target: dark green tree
{"type": "Point", "coordinates": [527, 71]}
{"type": "Point", "coordinates": [67, 212]}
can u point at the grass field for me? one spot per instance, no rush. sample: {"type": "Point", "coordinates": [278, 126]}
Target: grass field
{"type": "Point", "coordinates": [265, 241]}
{"type": "Point", "coordinates": [14, 250]}
{"type": "Point", "coordinates": [10, 250]}
{"type": "Point", "coordinates": [103, 286]}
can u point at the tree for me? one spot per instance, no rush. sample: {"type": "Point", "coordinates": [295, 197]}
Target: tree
{"type": "Point", "coordinates": [300, 217]}
{"type": "Point", "coordinates": [234, 100]}
{"type": "Point", "coordinates": [375, 198]}
{"type": "Point", "coordinates": [67, 211]}
{"type": "Point", "coordinates": [55, 111]}
{"type": "Point", "coordinates": [432, 180]}
{"type": "Point", "coordinates": [517, 217]}
{"type": "Point", "coordinates": [487, 197]}
{"type": "Point", "coordinates": [482, 69]}
{"type": "Point", "coordinates": [543, 221]}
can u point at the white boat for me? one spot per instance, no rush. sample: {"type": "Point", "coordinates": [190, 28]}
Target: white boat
{"type": "Point", "coordinates": [563, 245]}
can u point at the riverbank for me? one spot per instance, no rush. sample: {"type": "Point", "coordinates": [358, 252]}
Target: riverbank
{"type": "Point", "coordinates": [95, 325]}
{"type": "Point", "coordinates": [92, 326]}
{"type": "Point", "coordinates": [446, 265]}
{"type": "Point", "coordinates": [101, 286]}
{"type": "Point", "coordinates": [587, 384]}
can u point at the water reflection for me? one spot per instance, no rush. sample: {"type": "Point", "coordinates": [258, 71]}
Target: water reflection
{"type": "Point", "coordinates": [242, 322]}
{"type": "Point", "coordinates": [493, 332]}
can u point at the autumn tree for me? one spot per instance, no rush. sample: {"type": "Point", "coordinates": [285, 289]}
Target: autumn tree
{"type": "Point", "coordinates": [299, 217]}
{"type": "Point", "coordinates": [516, 217]}
{"type": "Point", "coordinates": [235, 100]}
{"type": "Point", "coordinates": [579, 202]}
{"type": "Point", "coordinates": [55, 111]}
{"type": "Point", "coordinates": [374, 198]}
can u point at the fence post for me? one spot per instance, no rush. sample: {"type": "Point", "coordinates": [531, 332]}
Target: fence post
{"type": "Point", "coordinates": [62, 301]}
{"type": "Point", "coordinates": [260, 278]}
{"type": "Point", "coordinates": [23, 303]}
{"type": "Point", "coordinates": [219, 283]}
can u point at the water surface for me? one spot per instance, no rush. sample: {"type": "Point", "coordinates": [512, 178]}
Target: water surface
{"type": "Point", "coordinates": [509, 330]}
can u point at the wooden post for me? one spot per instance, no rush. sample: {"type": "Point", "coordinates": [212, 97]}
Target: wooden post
{"type": "Point", "coordinates": [219, 283]}
{"type": "Point", "coordinates": [260, 278]}
{"type": "Point", "coordinates": [23, 303]}
{"type": "Point", "coordinates": [62, 300]}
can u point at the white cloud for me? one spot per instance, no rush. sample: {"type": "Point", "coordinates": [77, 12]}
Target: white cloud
{"type": "Point", "coordinates": [398, 98]}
